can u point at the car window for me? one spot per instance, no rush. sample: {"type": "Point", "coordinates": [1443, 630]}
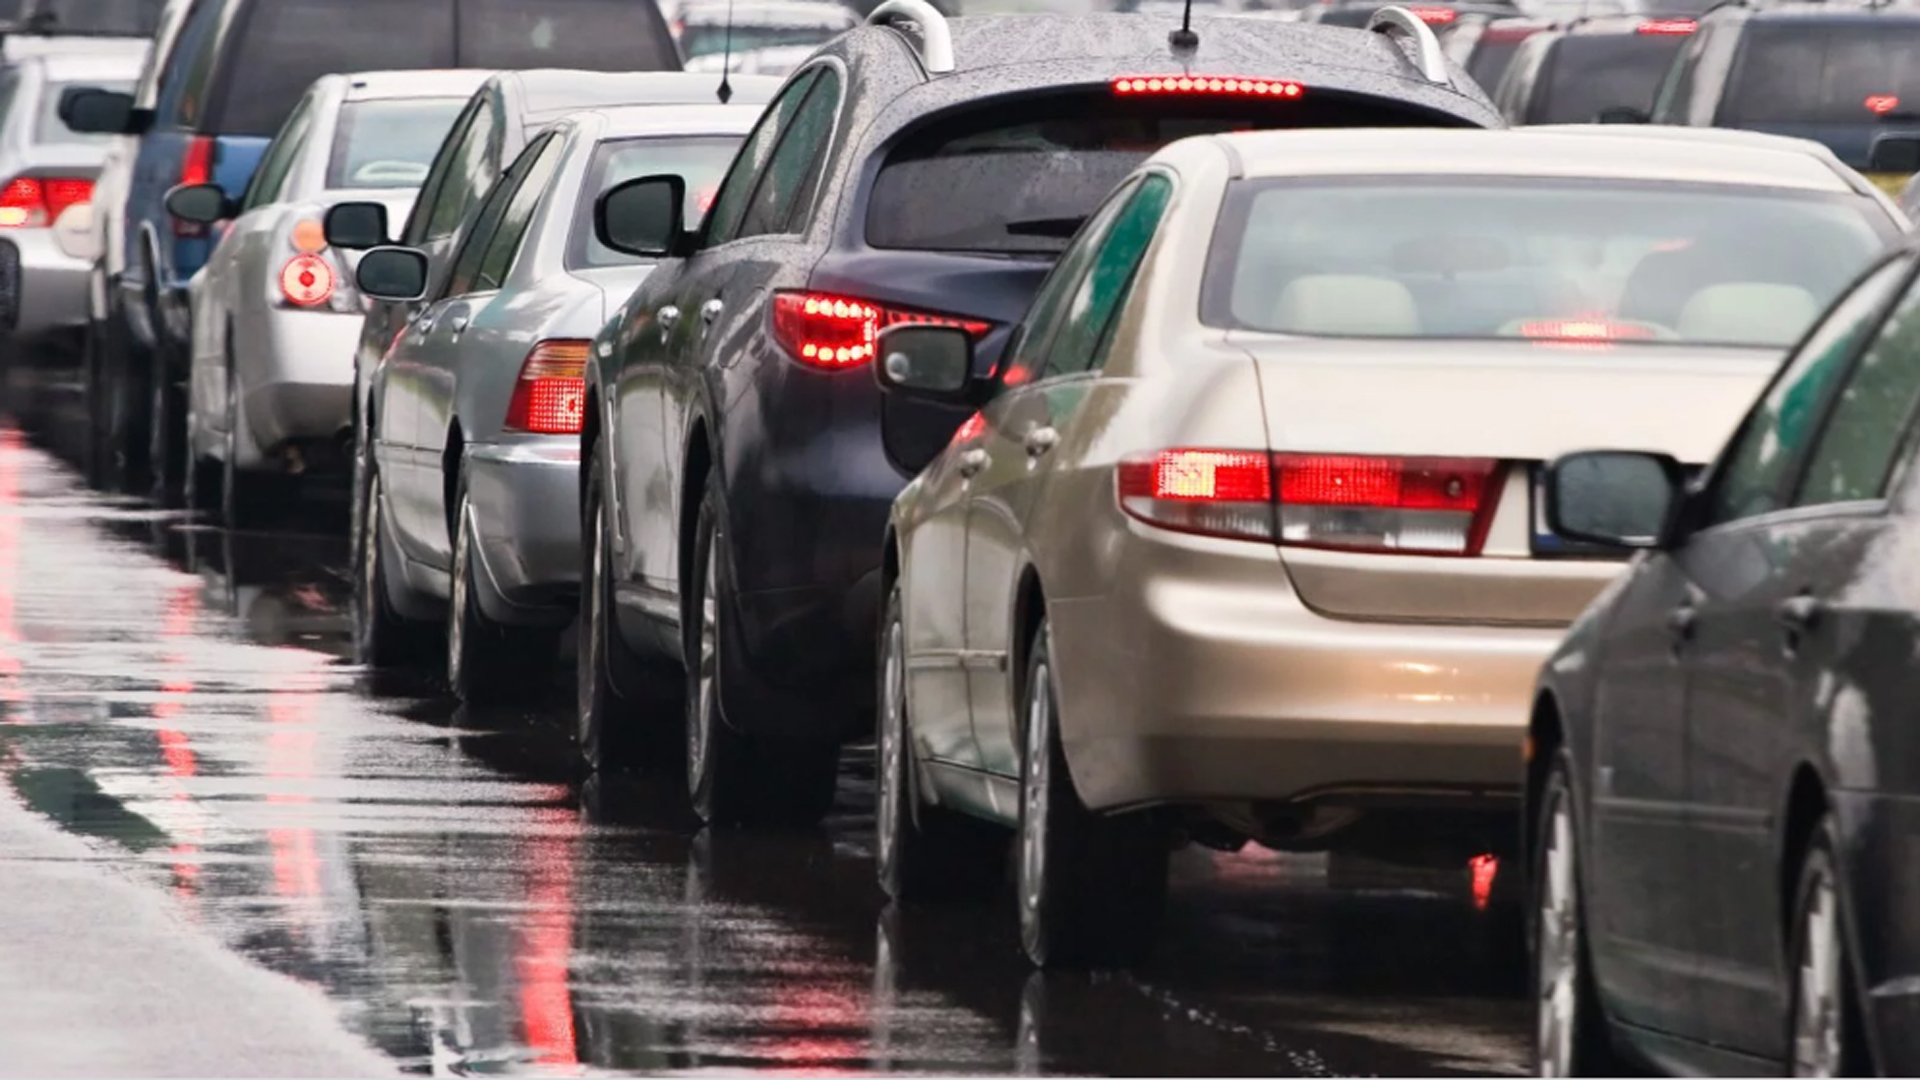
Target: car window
{"type": "Point", "coordinates": [701, 161]}
{"type": "Point", "coordinates": [479, 236]}
{"type": "Point", "coordinates": [389, 143]}
{"type": "Point", "coordinates": [186, 100]}
{"type": "Point", "coordinates": [1854, 454]}
{"type": "Point", "coordinates": [270, 178]}
{"type": "Point", "coordinates": [1830, 73]}
{"type": "Point", "coordinates": [1752, 475]}
{"type": "Point", "coordinates": [1081, 343]}
{"type": "Point", "coordinates": [1590, 73]}
{"type": "Point", "coordinates": [730, 206]}
{"type": "Point", "coordinates": [471, 172]}
{"type": "Point", "coordinates": [444, 162]}
{"type": "Point", "coordinates": [596, 35]}
{"type": "Point", "coordinates": [1026, 352]}
{"type": "Point", "coordinates": [1676, 87]}
{"type": "Point", "coordinates": [783, 200]}
{"type": "Point", "coordinates": [512, 230]}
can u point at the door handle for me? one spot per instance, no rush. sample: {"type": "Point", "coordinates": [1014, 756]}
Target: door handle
{"type": "Point", "coordinates": [971, 462]}
{"type": "Point", "coordinates": [1797, 616]}
{"type": "Point", "coordinates": [1040, 440]}
{"type": "Point", "coordinates": [1680, 624]}
{"type": "Point", "coordinates": [710, 314]}
{"type": "Point", "coordinates": [668, 318]}
{"type": "Point", "coordinates": [457, 324]}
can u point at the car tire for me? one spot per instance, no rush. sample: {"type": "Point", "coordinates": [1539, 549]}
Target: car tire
{"type": "Point", "coordinates": [732, 779]}
{"type": "Point", "coordinates": [488, 661]}
{"type": "Point", "coordinates": [1824, 1022]}
{"type": "Point", "coordinates": [1092, 888]}
{"type": "Point", "coordinates": [381, 638]}
{"type": "Point", "coordinates": [98, 457]}
{"type": "Point", "coordinates": [629, 716]}
{"type": "Point", "coordinates": [166, 451]}
{"type": "Point", "coordinates": [1572, 1036]}
{"type": "Point", "coordinates": [922, 852]}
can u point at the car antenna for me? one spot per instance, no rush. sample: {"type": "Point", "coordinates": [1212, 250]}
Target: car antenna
{"type": "Point", "coordinates": [1183, 39]}
{"type": "Point", "coordinates": [725, 92]}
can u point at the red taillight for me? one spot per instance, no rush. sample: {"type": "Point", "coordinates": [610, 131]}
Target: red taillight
{"type": "Point", "coordinates": [838, 331]}
{"type": "Point", "coordinates": [196, 167]}
{"type": "Point", "coordinates": [34, 202]}
{"type": "Point", "coordinates": [1667, 26]}
{"type": "Point", "coordinates": [552, 391]}
{"type": "Point", "coordinates": [1882, 104]}
{"type": "Point", "coordinates": [1585, 330]}
{"type": "Point", "coordinates": [1234, 85]}
{"type": "Point", "coordinates": [1427, 506]}
{"type": "Point", "coordinates": [306, 281]}
{"type": "Point", "coordinates": [1434, 14]}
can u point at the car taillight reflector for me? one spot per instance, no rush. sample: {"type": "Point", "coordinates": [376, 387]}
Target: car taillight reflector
{"type": "Point", "coordinates": [551, 394]}
{"type": "Point", "coordinates": [1433, 14]}
{"type": "Point", "coordinates": [36, 202]}
{"type": "Point", "coordinates": [196, 167]}
{"type": "Point", "coordinates": [1210, 492]}
{"type": "Point", "coordinates": [1236, 85]}
{"type": "Point", "coordinates": [306, 281]}
{"type": "Point", "coordinates": [1435, 506]}
{"type": "Point", "coordinates": [835, 332]}
{"type": "Point", "coordinates": [1667, 26]}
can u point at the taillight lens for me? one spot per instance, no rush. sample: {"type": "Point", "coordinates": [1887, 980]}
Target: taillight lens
{"type": "Point", "coordinates": [1434, 15]}
{"type": "Point", "coordinates": [1424, 506]}
{"type": "Point", "coordinates": [834, 332]}
{"type": "Point", "coordinates": [196, 167]}
{"type": "Point", "coordinates": [1667, 26]}
{"type": "Point", "coordinates": [306, 281]}
{"type": "Point", "coordinates": [34, 202]}
{"type": "Point", "coordinates": [552, 390]}
{"type": "Point", "coordinates": [1222, 85]}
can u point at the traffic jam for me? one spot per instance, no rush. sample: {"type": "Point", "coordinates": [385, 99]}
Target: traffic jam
{"type": "Point", "coordinates": [1204, 537]}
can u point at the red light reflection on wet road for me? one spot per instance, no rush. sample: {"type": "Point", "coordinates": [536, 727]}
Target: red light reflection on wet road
{"type": "Point", "coordinates": [546, 943]}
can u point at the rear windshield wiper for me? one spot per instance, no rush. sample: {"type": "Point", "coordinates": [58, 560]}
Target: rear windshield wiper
{"type": "Point", "coordinates": [1059, 227]}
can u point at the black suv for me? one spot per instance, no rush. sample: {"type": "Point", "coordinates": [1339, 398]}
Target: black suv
{"type": "Point", "coordinates": [1839, 73]}
{"type": "Point", "coordinates": [1598, 69]}
{"type": "Point", "coordinates": [739, 459]}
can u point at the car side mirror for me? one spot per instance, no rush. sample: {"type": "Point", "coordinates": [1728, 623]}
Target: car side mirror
{"type": "Point", "coordinates": [356, 226]}
{"type": "Point", "coordinates": [202, 204]}
{"type": "Point", "coordinates": [1622, 114]}
{"type": "Point", "coordinates": [1894, 154]}
{"type": "Point", "coordinates": [644, 216]}
{"type": "Point", "coordinates": [1619, 498]}
{"type": "Point", "coordinates": [392, 273]}
{"type": "Point", "coordinates": [934, 363]}
{"type": "Point", "coordinates": [89, 110]}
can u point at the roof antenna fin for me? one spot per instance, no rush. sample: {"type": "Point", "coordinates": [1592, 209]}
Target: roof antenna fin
{"type": "Point", "coordinates": [725, 92]}
{"type": "Point", "coordinates": [1184, 39]}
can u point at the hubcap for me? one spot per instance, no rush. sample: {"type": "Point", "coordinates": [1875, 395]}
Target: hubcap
{"type": "Point", "coordinates": [700, 729]}
{"type": "Point", "coordinates": [1033, 817]}
{"type": "Point", "coordinates": [457, 617]}
{"type": "Point", "coordinates": [893, 736]}
{"type": "Point", "coordinates": [1558, 945]}
{"type": "Point", "coordinates": [1816, 1015]}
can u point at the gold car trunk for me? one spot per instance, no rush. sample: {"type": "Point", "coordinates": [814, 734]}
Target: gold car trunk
{"type": "Point", "coordinates": [1522, 403]}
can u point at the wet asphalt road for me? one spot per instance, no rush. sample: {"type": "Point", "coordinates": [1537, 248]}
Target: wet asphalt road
{"type": "Point", "coordinates": [183, 699]}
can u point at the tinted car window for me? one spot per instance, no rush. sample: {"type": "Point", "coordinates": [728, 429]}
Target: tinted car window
{"type": "Point", "coordinates": [505, 244]}
{"type": "Point", "coordinates": [1490, 59]}
{"type": "Point", "coordinates": [784, 196]}
{"type": "Point", "coordinates": [709, 39]}
{"type": "Point", "coordinates": [1013, 179]}
{"type": "Point", "coordinates": [1752, 476]}
{"type": "Point", "coordinates": [1833, 73]}
{"type": "Point", "coordinates": [701, 161]}
{"type": "Point", "coordinates": [49, 128]}
{"type": "Point", "coordinates": [1855, 451]}
{"type": "Point", "coordinates": [730, 206]}
{"type": "Point", "coordinates": [1108, 280]}
{"type": "Point", "coordinates": [378, 144]}
{"type": "Point", "coordinates": [473, 246]}
{"type": "Point", "coordinates": [116, 18]}
{"type": "Point", "coordinates": [1592, 72]}
{"type": "Point", "coordinates": [270, 177]}
{"type": "Point", "coordinates": [470, 174]}
{"type": "Point", "coordinates": [598, 35]}
{"type": "Point", "coordinates": [1027, 352]}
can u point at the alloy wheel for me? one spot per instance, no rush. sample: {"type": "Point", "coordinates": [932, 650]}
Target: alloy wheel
{"type": "Point", "coordinates": [1558, 944]}
{"type": "Point", "coordinates": [893, 736]}
{"type": "Point", "coordinates": [700, 727]}
{"type": "Point", "coordinates": [1818, 1048]}
{"type": "Point", "coordinates": [1035, 793]}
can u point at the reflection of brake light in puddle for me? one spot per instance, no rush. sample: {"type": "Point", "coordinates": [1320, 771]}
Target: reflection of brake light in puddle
{"type": "Point", "coordinates": [290, 753]}
{"type": "Point", "coordinates": [546, 943]}
{"type": "Point", "coordinates": [183, 604]}
{"type": "Point", "coordinates": [11, 692]}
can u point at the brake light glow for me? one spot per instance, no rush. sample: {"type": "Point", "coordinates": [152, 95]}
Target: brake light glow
{"type": "Point", "coordinates": [196, 167]}
{"type": "Point", "coordinates": [1667, 26]}
{"type": "Point", "coordinates": [1882, 104]}
{"type": "Point", "coordinates": [551, 395]}
{"type": "Point", "coordinates": [1585, 330]}
{"type": "Point", "coordinates": [1442, 15]}
{"type": "Point", "coordinates": [835, 332]}
{"type": "Point", "coordinates": [1225, 85]}
{"type": "Point", "coordinates": [36, 202]}
{"type": "Point", "coordinates": [306, 281]}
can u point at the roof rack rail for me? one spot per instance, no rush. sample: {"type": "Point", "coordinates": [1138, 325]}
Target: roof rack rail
{"type": "Point", "coordinates": [1398, 20]}
{"type": "Point", "coordinates": [936, 39]}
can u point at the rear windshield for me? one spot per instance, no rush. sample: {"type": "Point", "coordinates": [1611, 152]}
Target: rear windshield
{"type": "Point", "coordinates": [1553, 260]}
{"type": "Point", "coordinates": [1490, 58]}
{"type": "Point", "coordinates": [389, 144]}
{"type": "Point", "coordinates": [113, 18]}
{"type": "Point", "coordinates": [284, 45]}
{"type": "Point", "coordinates": [1589, 73]}
{"type": "Point", "coordinates": [702, 161]}
{"type": "Point", "coordinates": [1018, 178]}
{"type": "Point", "coordinates": [49, 128]}
{"type": "Point", "coordinates": [710, 40]}
{"type": "Point", "coordinates": [1826, 73]}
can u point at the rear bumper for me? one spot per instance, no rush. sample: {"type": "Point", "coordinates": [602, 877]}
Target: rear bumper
{"type": "Point", "coordinates": [296, 377]}
{"type": "Point", "coordinates": [526, 507]}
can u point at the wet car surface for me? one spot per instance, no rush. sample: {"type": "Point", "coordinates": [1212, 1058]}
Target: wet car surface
{"type": "Point", "coordinates": [181, 697]}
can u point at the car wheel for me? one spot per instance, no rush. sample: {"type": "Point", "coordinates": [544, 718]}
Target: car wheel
{"type": "Point", "coordinates": [1825, 1025]}
{"type": "Point", "coordinates": [381, 638]}
{"type": "Point", "coordinates": [626, 715]}
{"type": "Point", "coordinates": [167, 420]}
{"type": "Point", "coordinates": [486, 660]}
{"type": "Point", "coordinates": [922, 852]}
{"type": "Point", "coordinates": [1092, 887]}
{"type": "Point", "coordinates": [98, 451]}
{"type": "Point", "coordinates": [731, 779]}
{"type": "Point", "coordinates": [1571, 1033]}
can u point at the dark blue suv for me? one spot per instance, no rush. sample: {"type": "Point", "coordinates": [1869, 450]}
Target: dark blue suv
{"type": "Point", "coordinates": [235, 72]}
{"type": "Point", "coordinates": [740, 460]}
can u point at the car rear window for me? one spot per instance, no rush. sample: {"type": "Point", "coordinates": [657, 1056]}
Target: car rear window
{"type": "Point", "coordinates": [389, 144]}
{"type": "Point", "coordinates": [1589, 73]}
{"type": "Point", "coordinates": [710, 39]}
{"type": "Point", "coordinates": [111, 18]}
{"type": "Point", "coordinates": [284, 45]}
{"type": "Point", "coordinates": [1490, 58]}
{"type": "Point", "coordinates": [1556, 260]}
{"type": "Point", "coordinates": [49, 128]}
{"type": "Point", "coordinates": [701, 161]}
{"type": "Point", "coordinates": [1018, 177]}
{"type": "Point", "coordinates": [1809, 72]}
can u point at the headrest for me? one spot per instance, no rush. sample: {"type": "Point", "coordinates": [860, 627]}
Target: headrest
{"type": "Point", "coordinates": [1747, 311]}
{"type": "Point", "coordinates": [1348, 304]}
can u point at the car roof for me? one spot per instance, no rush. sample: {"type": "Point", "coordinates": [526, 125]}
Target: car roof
{"type": "Point", "coordinates": [633, 121]}
{"type": "Point", "coordinates": [1574, 150]}
{"type": "Point", "coordinates": [375, 85]}
{"type": "Point", "coordinates": [549, 93]}
{"type": "Point", "coordinates": [769, 12]}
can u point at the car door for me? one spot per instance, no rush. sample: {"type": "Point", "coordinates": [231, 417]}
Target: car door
{"type": "Point", "coordinates": [654, 383]}
{"type": "Point", "coordinates": [1025, 431]}
{"type": "Point", "coordinates": [1765, 581]}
